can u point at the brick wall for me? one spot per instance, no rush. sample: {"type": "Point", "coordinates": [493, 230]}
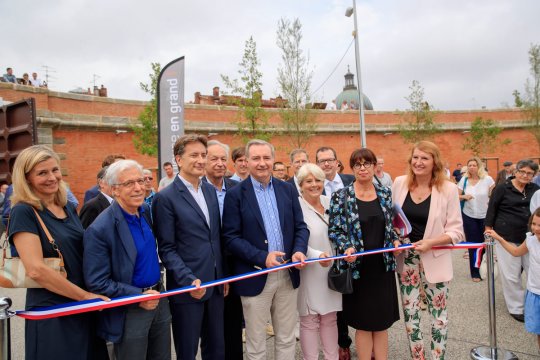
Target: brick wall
{"type": "Point", "coordinates": [83, 130]}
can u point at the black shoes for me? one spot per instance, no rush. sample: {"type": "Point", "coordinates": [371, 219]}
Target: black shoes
{"type": "Point", "coordinates": [518, 317]}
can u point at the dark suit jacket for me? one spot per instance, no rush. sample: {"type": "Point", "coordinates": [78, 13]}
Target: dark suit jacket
{"type": "Point", "coordinates": [291, 181]}
{"type": "Point", "coordinates": [92, 209]}
{"type": "Point", "coordinates": [108, 264]}
{"type": "Point", "coordinates": [91, 193]}
{"type": "Point", "coordinates": [245, 237]}
{"type": "Point", "coordinates": [229, 183]}
{"type": "Point", "coordinates": [189, 249]}
{"type": "Point", "coordinates": [345, 178]}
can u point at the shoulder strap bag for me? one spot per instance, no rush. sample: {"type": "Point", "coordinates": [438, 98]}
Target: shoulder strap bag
{"type": "Point", "coordinates": [12, 271]}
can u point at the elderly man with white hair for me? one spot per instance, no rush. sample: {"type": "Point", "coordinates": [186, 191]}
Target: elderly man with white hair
{"type": "Point", "coordinates": [120, 259]}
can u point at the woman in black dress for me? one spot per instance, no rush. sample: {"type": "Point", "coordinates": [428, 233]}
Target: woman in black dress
{"type": "Point", "coordinates": [361, 219]}
{"type": "Point", "coordinates": [38, 185]}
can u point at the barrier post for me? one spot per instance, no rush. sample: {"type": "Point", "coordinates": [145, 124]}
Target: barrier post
{"type": "Point", "coordinates": [491, 352]}
{"type": "Point", "coordinates": [5, 329]}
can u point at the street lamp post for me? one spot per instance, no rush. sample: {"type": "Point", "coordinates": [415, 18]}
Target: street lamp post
{"type": "Point", "coordinates": [348, 13]}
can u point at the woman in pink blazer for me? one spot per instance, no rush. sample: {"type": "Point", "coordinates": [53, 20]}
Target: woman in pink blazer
{"type": "Point", "coordinates": [431, 203]}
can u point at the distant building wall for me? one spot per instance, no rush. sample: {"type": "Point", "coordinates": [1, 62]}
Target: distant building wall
{"type": "Point", "coordinates": [84, 129]}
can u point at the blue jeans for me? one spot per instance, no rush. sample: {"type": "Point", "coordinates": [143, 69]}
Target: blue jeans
{"type": "Point", "coordinates": [474, 232]}
{"type": "Point", "coordinates": [147, 334]}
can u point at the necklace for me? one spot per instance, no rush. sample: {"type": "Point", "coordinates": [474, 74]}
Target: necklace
{"type": "Point", "coordinates": [420, 195]}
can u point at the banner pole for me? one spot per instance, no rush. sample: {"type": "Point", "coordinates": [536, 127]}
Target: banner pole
{"type": "Point", "coordinates": [5, 328]}
{"type": "Point", "coordinates": [491, 352]}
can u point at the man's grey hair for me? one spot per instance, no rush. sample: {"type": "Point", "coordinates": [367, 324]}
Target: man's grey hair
{"type": "Point", "coordinates": [260, 142]}
{"type": "Point", "coordinates": [224, 146]}
{"type": "Point", "coordinates": [147, 172]}
{"type": "Point", "coordinates": [296, 152]}
{"type": "Point", "coordinates": [115, 169]}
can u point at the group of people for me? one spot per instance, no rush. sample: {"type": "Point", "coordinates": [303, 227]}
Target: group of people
{"type": "Point", "coordinates": [202, 226]}
{"type": "Point", "coordinates": [25, 80]}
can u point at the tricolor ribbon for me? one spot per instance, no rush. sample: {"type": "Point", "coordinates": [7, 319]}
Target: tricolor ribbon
{"type": "Point", "coordinates": [79, 307]}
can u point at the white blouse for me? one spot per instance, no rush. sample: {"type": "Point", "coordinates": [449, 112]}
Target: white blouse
{"type": "Point", "coordinates": [477, 206]}
{"type": "Point", "coordinates": [314, 296]}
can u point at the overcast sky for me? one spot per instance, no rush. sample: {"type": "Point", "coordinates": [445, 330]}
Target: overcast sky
{"type": "Point", "coordinates": [466, 54]}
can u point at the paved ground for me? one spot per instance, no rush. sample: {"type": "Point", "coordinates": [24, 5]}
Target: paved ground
{"type": "Point", "coordinates": [468, 311]}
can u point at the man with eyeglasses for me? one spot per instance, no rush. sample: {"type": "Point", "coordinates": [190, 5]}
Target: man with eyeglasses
{"type": "Point", "coordinates": [120, 259]}
{"type": "Point", "coordinates": [95, 206]}
{"type": "Point", "coordinates": [298, 158]}
{"type": "Point", "coordinates": [327, 160]}
{"type": "Point", "coordinates": [187, 225]}
{"type": "Point", "coordinates": [148, 187]}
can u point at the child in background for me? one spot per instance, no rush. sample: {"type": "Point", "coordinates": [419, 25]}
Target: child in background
{"type": "Point", "coordinates": [530, 245]}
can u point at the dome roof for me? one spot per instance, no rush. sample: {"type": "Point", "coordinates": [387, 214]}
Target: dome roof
{"type": "Point", "coordinates": [350, 94]}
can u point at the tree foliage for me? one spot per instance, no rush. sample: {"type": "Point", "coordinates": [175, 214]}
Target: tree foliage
{"type": "Point", "coordinates": [252, 119]}
{"type": "Point", "coordinates": [531, 98]}
{"type": "Point", "coordinates": [419, 120]}
{"type": "Point", "coordinates": [482, 138]}
{"type": "Point", "coordinates": [294, 79]}
{"type": "Point", "coordinates": [145, 136]}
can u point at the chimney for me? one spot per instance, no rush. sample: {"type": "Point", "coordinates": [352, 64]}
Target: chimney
{"type": "Point", "coordinates": [103, 91]}
{"type": "Point", "coordinates": [197, 97]}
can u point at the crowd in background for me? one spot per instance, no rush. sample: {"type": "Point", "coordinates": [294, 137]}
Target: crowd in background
{"type": "Point", "coordinates": [204, 223]}
{"type": "Point", "coordinates": [24, 80]}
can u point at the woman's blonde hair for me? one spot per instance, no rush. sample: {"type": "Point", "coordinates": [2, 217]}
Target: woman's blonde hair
{"type": "Point", "coordinates": [481, 168]}
{"type": "Point", "coordinates": [438, 175]}
{"type": "Point", "coordinates": [25, 162]}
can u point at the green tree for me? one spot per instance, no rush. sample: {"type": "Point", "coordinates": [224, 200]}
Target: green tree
{"type": "Point", "coordinates": [145, 136]}
{"type": "Point", "coordinates": [482, 138]}
{"type": "Point", "coordinates": [252, 119]}
{"type": "Point", "coordinates": [517, 99]}
{"type": "Point", "coordinates": [531, 98]}
{"type": "Point", "coordinates": [294, 79]}
{"type": "Point", "coordinates": [419, 120]}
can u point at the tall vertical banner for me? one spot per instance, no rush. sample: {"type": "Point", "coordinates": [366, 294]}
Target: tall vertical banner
{"type": "Point", "coordinates": [170, 121]}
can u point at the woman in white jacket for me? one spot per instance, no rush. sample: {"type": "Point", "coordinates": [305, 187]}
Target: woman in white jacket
{"type": "Point", "coordinates": [317, 304]}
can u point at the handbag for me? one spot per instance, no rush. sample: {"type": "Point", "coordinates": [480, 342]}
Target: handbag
{"type": "Point", "coordinates": [12, 271]}
{"type": "Point", "coordinates": [462, 202]}
{"type": "Point", "coordinates": [483, 268]}
{"type": "Point", "coordinates": [340, 280]}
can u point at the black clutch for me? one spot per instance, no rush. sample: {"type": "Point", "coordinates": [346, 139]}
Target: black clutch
{"type": "Point", "coordinates": [340, 280]}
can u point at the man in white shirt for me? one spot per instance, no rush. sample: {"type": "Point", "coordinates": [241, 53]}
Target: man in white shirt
{"type": "Point", "coordinates": [381, 177]}
{"type": "Point", "coordinates": [298, 158]}
{"type": "Point", "coordinates": [238, 157]}
{"type": "Point", "coordinates": [331, 106]}
{"type": "Point", "coordinates": [327, 160]}
{"type": "Point", "coordinates": [35, 81]}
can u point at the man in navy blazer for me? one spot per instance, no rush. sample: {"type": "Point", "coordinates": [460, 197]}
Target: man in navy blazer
{"type": "Point", "coordinates": [326, 158]}
{"type": "Point", "coordinates": [187, 226]}
{"type": "Point", "coordinates": [263, 227]}
{"type": "Point", "coordinates": [120, 259]}
{"type": "Point", "coordinates": [298, 157]}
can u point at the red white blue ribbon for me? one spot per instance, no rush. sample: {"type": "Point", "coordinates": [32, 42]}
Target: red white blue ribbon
{"type": "Point", "coordinates": [79, 307]}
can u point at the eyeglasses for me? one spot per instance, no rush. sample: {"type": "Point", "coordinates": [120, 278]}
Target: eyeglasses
{"type": "Point", "coordinates": [148, 178]}
{"type": "Point", "coordinates": [366, 165]}
{"type": "Point", "coordinates": [131, 183]}
{"type": "Point", "coordinates": [326, 161]}
{"type": "Point", "coordinates": [525, 173]}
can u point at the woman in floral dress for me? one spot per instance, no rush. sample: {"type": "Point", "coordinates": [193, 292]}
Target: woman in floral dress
{"type": "Point", "coordinates": [431, 204]}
